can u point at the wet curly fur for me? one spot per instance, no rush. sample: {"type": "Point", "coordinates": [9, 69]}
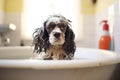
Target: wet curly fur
{"type": "Point", "coordinates": [42, 43]}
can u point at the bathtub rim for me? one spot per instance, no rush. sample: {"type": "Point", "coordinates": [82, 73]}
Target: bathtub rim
{"type": "Point", "coordinates": [45, 65]}
{"type": "Point", "coordinates": [58, 64]}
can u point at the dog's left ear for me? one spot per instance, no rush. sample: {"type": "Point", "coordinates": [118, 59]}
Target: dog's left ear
{"type": "Point", "coordinates": [69, 34]}
{"type": "Point", "coordinates": [69, 45]}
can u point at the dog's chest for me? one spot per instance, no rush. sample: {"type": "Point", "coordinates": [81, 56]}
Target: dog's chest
{"type": "Point", "coordinates": [56, 49]}
{"type": "Point", "coordinates": [56, 52]}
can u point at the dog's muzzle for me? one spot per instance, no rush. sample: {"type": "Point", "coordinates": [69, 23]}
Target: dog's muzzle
{"type": "Point", "coordinates": [57, 34]}
{"type": "Point", "coordinates": [56, 37]}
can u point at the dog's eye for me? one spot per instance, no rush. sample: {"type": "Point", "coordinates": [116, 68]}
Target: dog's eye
{"type": "Point", "coordinates": [50, 28]}
{"type": "Point", "coordinates": [62, 26]}
{"type": "Point", "coordinates": [52, 25]}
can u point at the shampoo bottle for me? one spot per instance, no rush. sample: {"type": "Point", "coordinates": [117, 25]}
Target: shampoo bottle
{"type": "Point", "coordinates": [105, 39]}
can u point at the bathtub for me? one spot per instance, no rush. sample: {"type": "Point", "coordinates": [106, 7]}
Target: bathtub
{"type": "Point", "coordinates": [18, 63]}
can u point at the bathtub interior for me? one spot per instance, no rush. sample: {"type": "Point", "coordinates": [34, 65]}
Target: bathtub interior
{"type": "Point", "coordinates": [27, 53]}
{"type": "Point", "coordinates": [88, 64]}
{"type": "Point", "coordinates": [16, 52]}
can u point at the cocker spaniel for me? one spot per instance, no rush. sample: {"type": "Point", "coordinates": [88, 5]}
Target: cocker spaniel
{"type": "Point", "coordinates": [55, 38]}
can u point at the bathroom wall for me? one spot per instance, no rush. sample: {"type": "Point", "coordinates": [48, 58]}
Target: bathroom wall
{"type": "Point", "coordinates": [88, 29]}
{"type": "Point", "coordinates": [10, 12]}
{"type": "Point", "coordinates": [102, 14]}
{"type": "Point", "coordinates": [92, 15]}
{"type": "Point", "coordinates": [85, 27]}
{"type": "Point", "coordinates": [1, 14]}
{"type": "Point", "coordinates": [1, 11]}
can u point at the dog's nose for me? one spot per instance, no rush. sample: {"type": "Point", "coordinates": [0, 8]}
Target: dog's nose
{"type": "Point", "coordinates": [57, 35]}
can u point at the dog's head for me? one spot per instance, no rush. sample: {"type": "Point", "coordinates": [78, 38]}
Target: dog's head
{"type": "Point", "coordinates": [55, 31]}
{"type": "Point", "coordinates": [56, 27]}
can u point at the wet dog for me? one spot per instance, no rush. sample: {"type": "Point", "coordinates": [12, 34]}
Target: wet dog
{"type": "Point", "coordinates": [55, 39]}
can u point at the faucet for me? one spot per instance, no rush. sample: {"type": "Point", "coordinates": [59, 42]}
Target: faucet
{"type": "Point", "coordinates": [5, 40]}
{"type": "Point", "coordinates": [4, 29]}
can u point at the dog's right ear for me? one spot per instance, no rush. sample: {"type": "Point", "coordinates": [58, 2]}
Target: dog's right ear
{"type": "Point", "coordinates": [39, 37]}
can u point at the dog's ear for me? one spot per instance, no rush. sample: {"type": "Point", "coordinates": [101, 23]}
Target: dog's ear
{"type": "Point", "coordinates": [39, 37]}
{"type": "Point", "coordinates": [69, 45]}
{"type": "Point", "coordinates": [45, 34]}
{"type": "Point", "coordinates": [69, 34]}
{"type": "Point", "coordinates": [38, 40]}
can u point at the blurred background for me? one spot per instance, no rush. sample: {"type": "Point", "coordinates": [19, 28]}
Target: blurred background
{"type": "Point", "coordinates": [85, 15]}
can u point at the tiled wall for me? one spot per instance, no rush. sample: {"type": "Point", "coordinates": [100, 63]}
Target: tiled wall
{"type": "Point", "coordinates": [1, 11]}
{"type": "Point", "coordinates": [10, 12]}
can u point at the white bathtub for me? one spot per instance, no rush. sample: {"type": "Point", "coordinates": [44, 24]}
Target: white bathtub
{"type": "Point", "coordinates": [88, 64]}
